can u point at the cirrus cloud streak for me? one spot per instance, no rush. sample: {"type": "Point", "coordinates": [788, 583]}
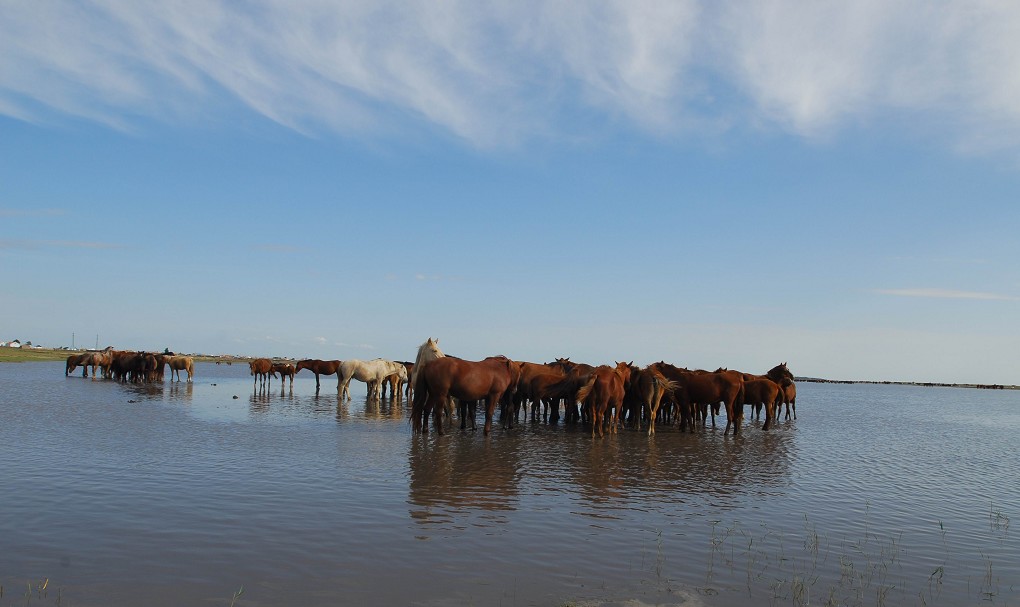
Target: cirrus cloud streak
{"type": "Point", "coordinates": [946, 294]}
{"type": "Point", "coordinates": [495, 74]}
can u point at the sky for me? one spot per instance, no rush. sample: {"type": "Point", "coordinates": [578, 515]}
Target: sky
{"type": "Point", "coordinates": [834, 185]}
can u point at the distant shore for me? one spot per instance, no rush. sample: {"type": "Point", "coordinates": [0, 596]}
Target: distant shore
{"type": "Point", "coordinates": [29, 354]}
{"type": "Point", "coordinates": [817, 380]}
{"type": "Point", "coordinates": [26, 354]}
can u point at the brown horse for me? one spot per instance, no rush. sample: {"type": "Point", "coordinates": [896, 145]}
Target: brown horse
{"type": "Point", "coordinates": [789, 397]}
{"type": "Point", "coordinates": [78, 360]}
{"type": "Point", "coordinates": [318, 367]}
{"type": "Point", "coordinates": [261, 370]}
{"type": "Point", "coordinates": [779, 372]}
{"type": "Point", "coordinates": [551, 387]}
{"type": "Point", "coordinates": [759, 392]}
{"type": "Point", "coordinates": [782, 375]}
{"type": "Point", "coordinates": [524, 393]}
{"type": "Point", "coordinates": [285, 370]}
{"type": "Point", "coordinates": [463, 380]}
{"type": "Point", "coordinates": [644, 394]}
{"type": "Point", "coordinates": [576, 376]}
{"type": "Point", "coordinates": [705, 388]}
{"type": "Point", "coordinates": [604, 392]}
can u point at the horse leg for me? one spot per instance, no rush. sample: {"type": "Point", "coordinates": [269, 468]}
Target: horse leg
{"type": "Point", "coordinates": [769, 414]}
{"type": "Point", "coordinates": [438, 413]}
{"type": "Point", "coordinates": [490, 409]}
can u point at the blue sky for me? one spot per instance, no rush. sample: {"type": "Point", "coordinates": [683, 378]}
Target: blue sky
{"type": "Point", "coordinates": [833, 185]}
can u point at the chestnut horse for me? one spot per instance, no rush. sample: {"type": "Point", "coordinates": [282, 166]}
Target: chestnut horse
{"type": "Point", "coordinates": [318, 367]}
{"type": "Point", "coordinates": [284, 369]}
{"type": "Point", "coordinates": [428, 352]}
{"type": "Point", "coordinates": [261, 369]}
{"type": "Point", "coordinates": [464, 380]}
{"type": "Point", "coordinates": [647, 387]}
{"type": "Point", "coordinates": [761, 391]}
{"type": "Point", "coordinates": [789, 397]}
{"type": "Point", "coordinates": [604, 391]}
{"type": "Point", "coordinates": [706, 388]}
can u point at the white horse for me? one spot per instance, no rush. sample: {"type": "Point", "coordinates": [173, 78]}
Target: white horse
{"type": "Point", "coordinates": [371, 372]}
{"type": "Point", "coordinates": [428, 352]}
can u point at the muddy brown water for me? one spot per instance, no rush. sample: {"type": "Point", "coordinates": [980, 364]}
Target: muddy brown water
{"type": "Point", "coordinates": [179, 493]}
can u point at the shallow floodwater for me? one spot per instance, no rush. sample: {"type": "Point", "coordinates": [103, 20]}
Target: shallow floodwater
{"type": "Point", "coordinates": [177, 493]}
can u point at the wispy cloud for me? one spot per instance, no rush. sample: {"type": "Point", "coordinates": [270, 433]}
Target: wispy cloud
{"type": "Point", "coordinates": [67, 244]}
{"type": "Point", "coordinates": [496, 73]}
{"type": "Point", "coordinates": [278, 248]}
{"type": "Point", "coordinates": [946, 294]}
{"type": "Point", "coordinates": [436, 278]}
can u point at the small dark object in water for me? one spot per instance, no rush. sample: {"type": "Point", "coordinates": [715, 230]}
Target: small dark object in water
{"type": "Point", "coordinates": [235, 397]}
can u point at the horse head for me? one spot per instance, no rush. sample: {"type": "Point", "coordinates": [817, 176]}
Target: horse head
{"type": "Point", "coordinates": [780, 372]}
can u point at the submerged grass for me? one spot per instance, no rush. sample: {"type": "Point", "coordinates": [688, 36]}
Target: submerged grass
{"type": "Point", "coordinates": [867, 570]}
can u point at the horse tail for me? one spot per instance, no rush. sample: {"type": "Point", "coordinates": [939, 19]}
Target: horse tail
{"type": "Point", "coordinates": [660, 386]}
{"type": "Point", "coordinates": [421, 393]}
{"type": "Point", "coordinates": [586, 389]}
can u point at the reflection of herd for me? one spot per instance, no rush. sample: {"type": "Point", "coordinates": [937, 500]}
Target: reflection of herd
{"type": "Point", "coordinates": [125, 365]}
{"type": "Point", "coordinates": [607, 397]}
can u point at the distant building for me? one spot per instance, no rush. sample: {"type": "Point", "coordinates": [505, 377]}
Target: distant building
{"type": "Point", "coordinates": [11, 344]}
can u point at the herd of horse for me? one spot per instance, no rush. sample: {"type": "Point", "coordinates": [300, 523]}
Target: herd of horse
{"type": "Point", "coordinates": [439, 386]}
{"type": "Point", "coordinates": [607, 397]}
{"type": "Point", "coordinates": [127, 365]}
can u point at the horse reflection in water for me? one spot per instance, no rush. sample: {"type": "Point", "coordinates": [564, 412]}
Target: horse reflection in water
{"type": "Point", "coordinates": [632, 468]}
{"type": "Point", "coordinates": [174, 390]}
{"type": "Point", "coordinates": [383, 408]}
{"type": "Point", "coordinates": [259, 401]}
{"type": "Point", "coordinates": [458, 476]}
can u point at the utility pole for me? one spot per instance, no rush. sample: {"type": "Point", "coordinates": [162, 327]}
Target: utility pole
{"type": "Point", "coordinates": [72, 340]}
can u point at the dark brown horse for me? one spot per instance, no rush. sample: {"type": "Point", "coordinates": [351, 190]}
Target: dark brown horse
{"type": "Point", "coordinates": [779, 372]}
{"type": "Point", "coordinates": [782, 375]}
{"type": "Point", "coordinates": [463, 380]}
{"type": "Point", "coordinates": [524, 393]}
{"type": "Point", "coordinates": [78, 360]}
{"type": "Point", "coordinates": [318, 367]}
{"type": "Point", "coordinates": [576, 375]}
{"type": "Point", "coordinates": [261, 370]}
